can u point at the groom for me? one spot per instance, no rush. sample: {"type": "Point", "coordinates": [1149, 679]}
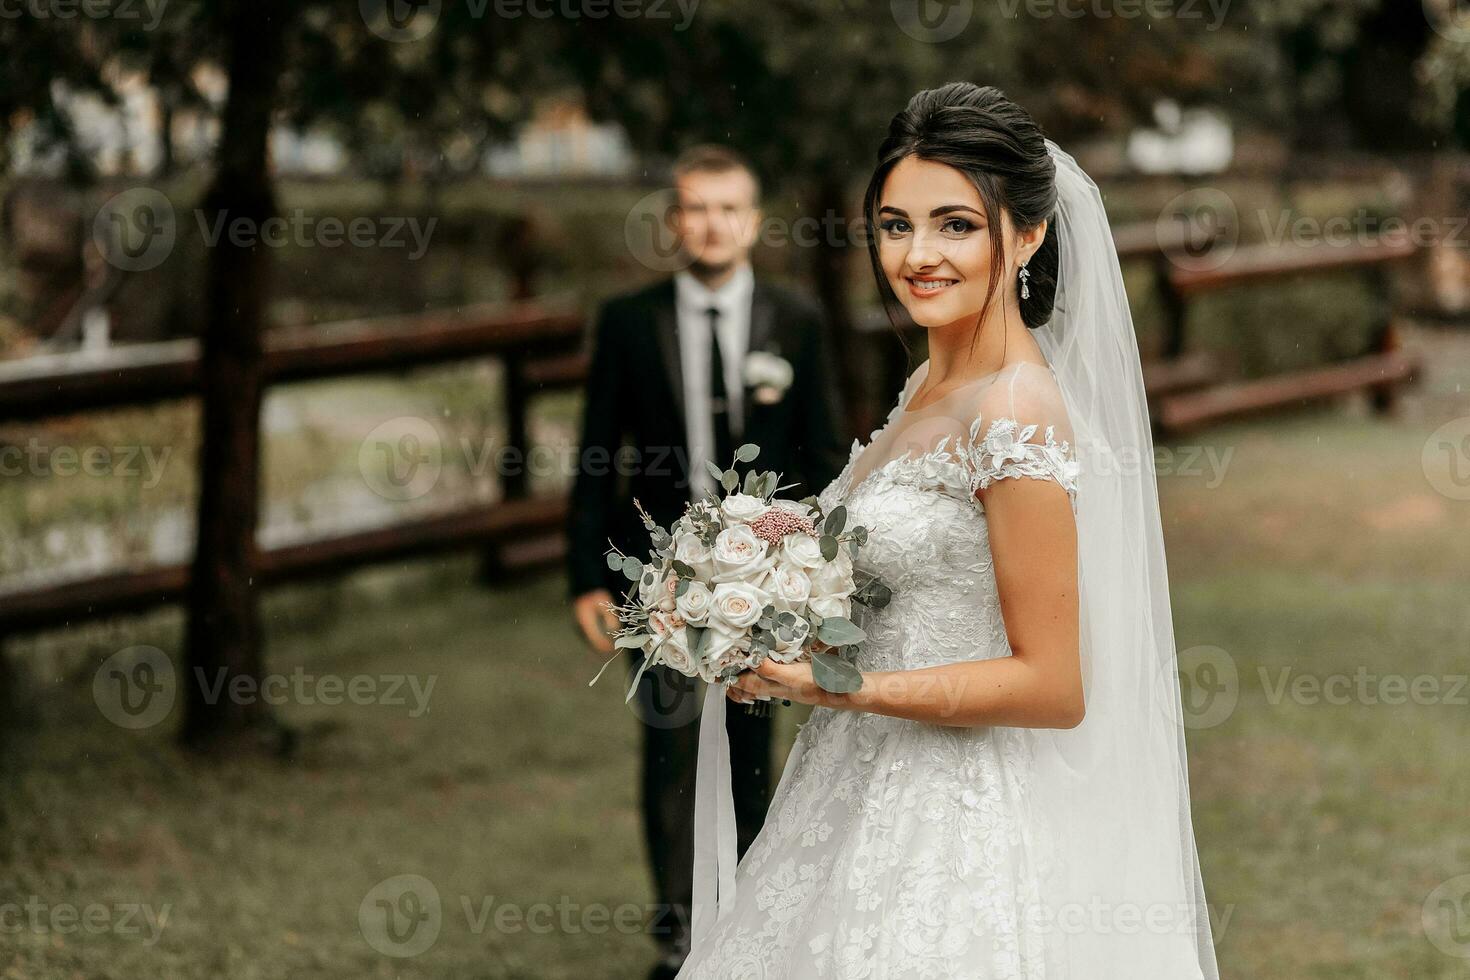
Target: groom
{"type": "Point", "coordinates": [683, 372]}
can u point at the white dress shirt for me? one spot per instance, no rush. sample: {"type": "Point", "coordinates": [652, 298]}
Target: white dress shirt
{"type": "Point", "coordinates": [693, 300]}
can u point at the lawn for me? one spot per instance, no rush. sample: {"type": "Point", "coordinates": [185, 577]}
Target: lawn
{"type": "Point", "coordinates": [1309, 556]}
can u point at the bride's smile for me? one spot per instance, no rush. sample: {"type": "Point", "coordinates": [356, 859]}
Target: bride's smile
{"type": "Point", "coordinates": [935, 244]}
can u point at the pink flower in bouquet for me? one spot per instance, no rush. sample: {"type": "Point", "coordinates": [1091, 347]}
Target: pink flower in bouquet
{"type": "Point", "coordinates": [777, 522]}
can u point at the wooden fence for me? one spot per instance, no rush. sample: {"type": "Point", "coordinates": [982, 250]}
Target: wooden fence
{"type": "Point", "coordinates": [540, 348]}
{"type": "Point", "coordinates": [534, 344]}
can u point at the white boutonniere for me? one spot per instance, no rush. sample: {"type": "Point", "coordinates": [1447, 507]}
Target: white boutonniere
{"type": "Point", "coordinates": [769, 375]}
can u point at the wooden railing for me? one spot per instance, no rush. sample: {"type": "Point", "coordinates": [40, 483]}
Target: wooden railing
{"type": "Point", "coordinates": [1379, 370]}
{"type": "Point", "coordinates": [540, 347]}
{"type": "Point", "coordinates": [533, 342]}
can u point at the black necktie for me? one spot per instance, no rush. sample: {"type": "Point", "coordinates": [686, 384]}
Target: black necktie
{"type": "Point", "coordinates": [719, 402]}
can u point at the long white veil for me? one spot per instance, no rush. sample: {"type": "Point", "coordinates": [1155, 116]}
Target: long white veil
{"type": "Point", "coordinates": [1125, 898]}
{"type": "Point", "coordinates": [1122, 897]}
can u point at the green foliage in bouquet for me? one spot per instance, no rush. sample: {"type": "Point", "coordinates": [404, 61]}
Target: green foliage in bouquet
{"type": "Point", "coordinates": [771, 631]}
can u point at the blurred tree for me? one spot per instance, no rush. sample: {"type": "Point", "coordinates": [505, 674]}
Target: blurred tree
{"type": "Point", "coordinates": [418, 88]}
{"type": "Point", "coordinates": [1349, 71]}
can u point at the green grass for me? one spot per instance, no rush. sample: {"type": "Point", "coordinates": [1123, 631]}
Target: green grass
{"type": "Point", "coordinates": [1321, 549]}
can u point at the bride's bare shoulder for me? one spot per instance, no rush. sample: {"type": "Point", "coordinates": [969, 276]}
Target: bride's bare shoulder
{"type": "Point", "coordinates": [1027, 392]}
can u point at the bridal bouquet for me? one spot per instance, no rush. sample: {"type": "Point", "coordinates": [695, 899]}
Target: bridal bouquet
{"type": "Point", "coordinates": [743, 578]}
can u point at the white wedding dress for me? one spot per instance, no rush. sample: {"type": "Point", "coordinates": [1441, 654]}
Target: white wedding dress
{"type": "Point", "coordinates": [893, 848]}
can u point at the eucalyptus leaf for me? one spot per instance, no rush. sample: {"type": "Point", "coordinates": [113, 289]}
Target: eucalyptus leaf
{"type": "Point", "coordinates": [695, 635]}
{"type": "Point", "coordinates": [838, 631]}
{"type": "Point", "coordinates": [632, 641]}
{"type": "Point", "coordinates": [730, 480]}
{"type": "Point", "coordinates": [633, 688]}
{"type": "Point", "coordinates": [600, 670]}
{"type": "Point", "coordinates": [751, 478]}
{"type": "Point", "coordinates": [836, 520]}
{"type": "Point", "coordinates": [684, 570]}
{"type": "Point", "coordinates": [632, 569]}
{"type": "Point", "coordinates": [714, 470]}
{"type": "Point", "coordinates": [682, 587]}
{"type": "Point", "coordinates": [747, 452]}
{"type": "Point", "coordinates": [835, 675]}
{"type": "Point", "coordinates": [614, 561]}
{"type": "Point", "coordinates": [829, 547]}
{"type": "Point", "coordinates": [767, 485]}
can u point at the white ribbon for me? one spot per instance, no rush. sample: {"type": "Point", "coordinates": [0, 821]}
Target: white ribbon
{"type": "Point", "coordinates": [714, 822]}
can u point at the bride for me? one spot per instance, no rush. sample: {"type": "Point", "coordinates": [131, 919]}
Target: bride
{"type": "Point", "coordinates": [1006, 794]}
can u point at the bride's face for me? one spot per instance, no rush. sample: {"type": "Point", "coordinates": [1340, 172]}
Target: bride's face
{"type": "Point", "coordinates": [934, 242]}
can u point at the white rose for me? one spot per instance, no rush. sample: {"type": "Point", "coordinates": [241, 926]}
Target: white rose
{"type": "Point", "coordinates": [722, 652]}
{"type": "Point", "coordinates": [790, 587]}
{"type": "Point", "coordinates": [656, 589]}
{"type": "Point", "coordinates": [828, 606]}
{"type": "Point", "coordinates": [834, 578]}
{"type": "Point", "coordinates": [738, 552]}
{"type": "Point", "coordinates": [673, 651]}
{"type": "Point", "coordinates": [694, 553]}
{"type": "Point", "coordinates": [788, 651]}
{"type": "Point", "coordinates": [737, 605]}
{"type": "Point", "coordinates": [694, 604]}
{"type": "Point", "coordinates": [742, 508]}
{"type": "Point", "coordinates": [802, 550]}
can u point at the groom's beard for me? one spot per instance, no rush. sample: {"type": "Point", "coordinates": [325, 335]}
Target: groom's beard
{"type": "Point", "coordinates": [707, 271]}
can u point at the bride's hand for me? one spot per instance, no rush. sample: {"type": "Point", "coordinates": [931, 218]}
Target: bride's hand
{"type": "Point", "coordinates": [793, 682]}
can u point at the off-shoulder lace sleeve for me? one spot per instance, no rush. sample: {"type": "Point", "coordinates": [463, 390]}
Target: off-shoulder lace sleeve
{"type": "Point", "coordinates": [1021, 430]}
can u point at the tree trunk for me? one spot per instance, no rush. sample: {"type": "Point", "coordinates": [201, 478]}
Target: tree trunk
{"type": "Point", "coordinates": [223, 632]}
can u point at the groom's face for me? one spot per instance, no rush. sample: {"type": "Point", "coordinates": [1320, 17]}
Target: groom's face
{"type": "Point", "coordinates": [716, 219]}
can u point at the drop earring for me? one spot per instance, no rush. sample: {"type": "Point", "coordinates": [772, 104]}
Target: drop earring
{"type": "Point", "coordinates": [1025, 290]}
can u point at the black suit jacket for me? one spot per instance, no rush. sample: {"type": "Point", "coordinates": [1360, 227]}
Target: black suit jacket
{"type": "Point", "coordinates": [633, 433]}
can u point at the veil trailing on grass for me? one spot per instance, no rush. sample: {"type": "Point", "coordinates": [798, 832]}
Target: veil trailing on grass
{"type": "Point", "coordinates": [1125, 898]}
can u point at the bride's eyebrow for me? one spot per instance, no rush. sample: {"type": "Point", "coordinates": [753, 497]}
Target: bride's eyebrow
{"type": "Point", "coordinates": [942, 209]}
{"type": "Point", "coordinates": [950, 208]}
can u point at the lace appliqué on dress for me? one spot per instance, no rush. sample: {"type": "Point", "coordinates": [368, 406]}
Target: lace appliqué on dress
{"type": "Point", "coordinates": [1007, 451]}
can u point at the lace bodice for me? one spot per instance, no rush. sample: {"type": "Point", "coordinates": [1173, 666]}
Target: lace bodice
{"type": "Point", "coordinates": [895, 849]}
{"type": "Point", "coordinates": [928, 539]}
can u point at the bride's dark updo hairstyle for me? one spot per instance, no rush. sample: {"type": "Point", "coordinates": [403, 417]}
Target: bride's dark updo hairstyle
{"type": "Point", "coordinates": [999, 147]}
